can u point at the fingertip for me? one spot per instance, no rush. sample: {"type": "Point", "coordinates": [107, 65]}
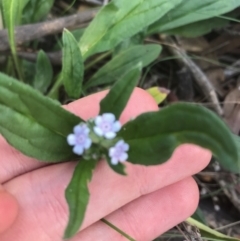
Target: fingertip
{"type": "Point", "coordinates": [146, 100]}
{"type": "Point", "coordinates": [8, 210]}
{"type": "Point", "coordinates": [163, 208]}
{"type": "Point", "coordinates": [88, 107]}
{"type": "Point", "coordinates": [160, 210]}
{"type": "Point", "coordinates": [140, 101]}
{"type": "Point", "coordinates": [188, 196]}
{"type": "Point", "coordinates": [196, 157]}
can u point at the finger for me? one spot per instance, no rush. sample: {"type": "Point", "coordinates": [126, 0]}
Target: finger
{"type": "Point", "coordinates": [8, 210]}
{"type": "Point", "coordinates": [13, 163]}
{"type": "Point", "coordinates": [87, 107]}
{"type": "Point", "coordinates": [149, 216]}
{"type": "Point", "coordinates": [41, 192]}
{"type": "Point", "coordinates": [139, 102]}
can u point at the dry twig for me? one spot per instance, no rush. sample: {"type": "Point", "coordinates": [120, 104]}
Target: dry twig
{"type": "Point", "coordinates": [189, 232]}
{"type": "Point", "coordinates": [198, 74]}
{"type": "Point", "coordinates": [30, 32]}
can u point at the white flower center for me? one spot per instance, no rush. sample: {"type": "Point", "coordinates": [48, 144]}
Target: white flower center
{"type": "Point", "coordinates": [118, 151]}
{"type": "Point", "coordinates": [81, 139]}
{"type": "Point", "coordinates": [106, 126]}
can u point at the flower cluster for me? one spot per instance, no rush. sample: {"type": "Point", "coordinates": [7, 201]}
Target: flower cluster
{"type": "Point", "coordinates": [105, 126]}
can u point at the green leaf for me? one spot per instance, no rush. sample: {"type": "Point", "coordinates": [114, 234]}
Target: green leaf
{"type": "Point", "coordinates": [154, 136]}
{"type": "Point", "coordinates": [199, 216]}
{"type": "Point", "coordinates": [29, 71]}
{"type": "Point", "coordinates": [12, 13]}
{"type": "Point", "coordinates": [158, 94]}
{"type": "Point", "coordinates": [192, 11]}
{"type": "Point", "coordinates": [208, 233]}
{"type": "Point", "coordinates": [237, 143]}
{"type": "Point", "coordinates": [77, 195]}
{"type": "Point", "coordinates": [54, 91]}
{"type": "Point", "coordinates": [77, 33]}
{"type": "Point", "coordinates": [36, 10]}
{"type": "Point", "coordinates": [121, 64]}
{"type": "Point", "coordinates": [73, 69]}
{"type": "Point", "coordinates": [44, 72]}
{"type": "Point", "coordinates": [31, 138]}
{"type": "Point", "coordinates": [200, 28]}
{"type": "Point", "coordinates": [17, 9]}
{"type": "Point", "coordinates": [118, 96]}
{"type": "Point", "coordinates": [137, 39]}
{"type": "Point", "coordinates": [34, 124]}
{"type": "Point", "coordinates": [1, 18]}
{"type": "Point", "coordinates": [119, 20]}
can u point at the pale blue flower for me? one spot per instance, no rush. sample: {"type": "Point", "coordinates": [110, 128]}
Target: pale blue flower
{"type": "Point", "coordinates": [118, 152]}
{"type": "Point", "coordinates": [79, 139]}
{"type": "Point", "coordinates": [106, 125]}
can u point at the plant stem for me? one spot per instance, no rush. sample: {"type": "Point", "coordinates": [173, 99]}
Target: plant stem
{"type": "Point", "coordinates": [17, 64]}
{"type": "Point", "coordinates": [96, 60]}
{"type": "Point", "coordinates": [55, 87]}
{"type": "Point", "coordinates": [118, 230]}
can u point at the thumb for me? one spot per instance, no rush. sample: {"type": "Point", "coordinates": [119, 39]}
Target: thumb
{"type": "Point", "coordinates": [8, 209]}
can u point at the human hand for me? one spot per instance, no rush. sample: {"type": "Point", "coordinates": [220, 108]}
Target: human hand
{"type": "Point", "coordinates": [144, 204]}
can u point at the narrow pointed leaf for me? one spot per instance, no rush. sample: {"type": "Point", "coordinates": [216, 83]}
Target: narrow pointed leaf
{"type": "Point", "coordinates": [44, 72]}
{"type": "Point", "coordinates": [31, 138]}
{"type": "Point", "coordinates": [1, 19]}
{"type": "Point", "coordinates": [208, 233]}
{"type": "Point", "coordinates": [73, 69]}
{"type": "Point", "coordinates": [237, 143]}
{"type": "Point", "coordinates": [124, 61]}
{"type": "Point", "coordinates": [199, 216]}
{"type": "Point", "coordinates": [12, 11]}
{"type": "Point", "coordinates": [34, 124]}
{"type": "Point", "coordinates": [199, 28]}
{"type": "Point", "coordinates": [26, 100]}
{"type": "Point", "coordinates": [109, 26]}
{"type": "Point", "coordinates": [117, 98]}
{"type": "Point", "coordinates": [136, 40]}
{"type": "Point", "coordinates": [154, 136]}
{"type": "Point", "coordinates": [192, 11]}
{"type": "Point", "coordinates": [36, 10]}
{"type": "Point", "coordinates": [77, 195]}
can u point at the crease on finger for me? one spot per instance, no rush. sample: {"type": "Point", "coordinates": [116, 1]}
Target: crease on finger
{"type": "Point", "coordinates": [148, 216]}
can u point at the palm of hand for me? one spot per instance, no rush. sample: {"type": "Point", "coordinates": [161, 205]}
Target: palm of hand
{"type": "Point", "coordinates": [144, 204]}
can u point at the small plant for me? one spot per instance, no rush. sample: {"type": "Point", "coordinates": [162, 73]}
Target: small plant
{"type": "Point", "coordinates": [40, 128]}
{"type": "Point", "coordinates": [149, 139]}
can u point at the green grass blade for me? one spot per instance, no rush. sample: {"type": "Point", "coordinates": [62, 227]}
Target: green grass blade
{"type": "Point", "coordinates": [11, 12]}
{"type": "Point", "coordinates": [120, 20]}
